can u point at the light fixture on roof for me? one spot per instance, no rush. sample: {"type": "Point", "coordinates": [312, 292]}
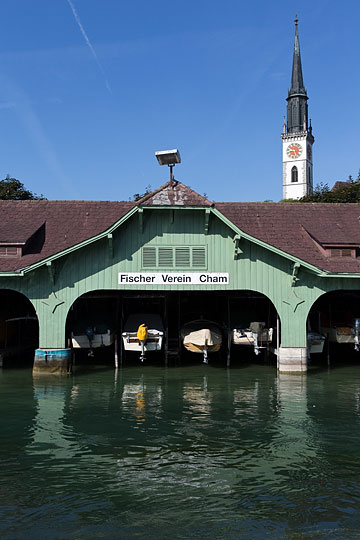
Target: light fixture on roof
{"type": "Point", "coordinates": [170, 158]}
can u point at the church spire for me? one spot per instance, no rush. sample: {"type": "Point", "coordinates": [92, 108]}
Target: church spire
{"type": "Point", "coordinates": [297, 109]}
{"type": "Point", "coordinates": [297, 82]}
{"type": "Point", "coordinates": [297, 134]}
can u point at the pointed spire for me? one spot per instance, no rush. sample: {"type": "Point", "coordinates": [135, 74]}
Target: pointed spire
{"type": "Point", "coordinates": [297, 109]}
{"type": "Point", "coordinates": [297, 82]}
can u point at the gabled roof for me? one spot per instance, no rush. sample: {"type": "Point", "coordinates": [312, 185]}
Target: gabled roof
{"type": "Point", "coordinates": [297, 230]}
{"type": "Point", "coordinates": [173, 194]}
{"type": "Point", "coordinates": [290, 226]}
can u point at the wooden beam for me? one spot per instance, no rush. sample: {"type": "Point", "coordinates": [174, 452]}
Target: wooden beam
{"type": "Point", "coordinates": [295, 270]}
{"type": "Point", "coordinates": [51, 272]}
{"type": "Point", "coordinates": [141, 220]}
{"type": "Point", "coordinates": [110, 245]}
{"type": "Point", "coordinates": [207, 218]}
{"type": "Point", "coordinates": [237, 248]}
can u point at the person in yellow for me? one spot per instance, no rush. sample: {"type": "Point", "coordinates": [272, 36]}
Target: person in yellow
{"type": "Point", "coordinates": [142, 335]}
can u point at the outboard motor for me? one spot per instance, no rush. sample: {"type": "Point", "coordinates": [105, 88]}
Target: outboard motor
{"type": "Point", "coordinates": [90, 335]}
{"type": "Point", "coordinates": [357, 332]}
{"type": "Point", "coordinates": [256, 329]}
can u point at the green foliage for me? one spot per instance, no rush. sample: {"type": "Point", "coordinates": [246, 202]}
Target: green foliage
{"type": "Point", "coordinates": [13, 189]}
{"type": "Point", "coordinates": [346, 192]}
{"type": "Point", "coordinates": [138, 196]}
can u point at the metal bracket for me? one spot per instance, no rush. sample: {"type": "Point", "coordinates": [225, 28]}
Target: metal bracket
{"type": "Point", "coordinates": [141, 220]}
{"type": "Point", "coordinates": [237, 248]}
{"type": "Point", "coordinates": [110, 245]}
{"type": "Point", "coordinates": [207, 218]}
{"type": "Point", "coordinates": [295, 271]}
{"type": "Point", "coordinates": [51, 272]}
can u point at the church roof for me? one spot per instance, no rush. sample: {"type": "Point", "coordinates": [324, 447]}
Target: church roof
{"type": "Point", "coordinates": [297, 82]}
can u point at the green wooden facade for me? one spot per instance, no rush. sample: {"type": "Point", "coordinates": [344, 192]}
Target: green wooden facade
{"type": "Point", "coordinates": [292, 285]}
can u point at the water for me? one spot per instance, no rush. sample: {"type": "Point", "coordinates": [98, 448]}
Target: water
{"type": "Point", "coordinates": [196, 452]}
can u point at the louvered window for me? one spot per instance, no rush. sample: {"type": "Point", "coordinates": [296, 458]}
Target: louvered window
{"type": "Point", "coordinates": [174, 257]}
{"type": "Point", "coordinates": [342, 252]}
{"type": "Point", "coordinates": [149, 257]}
{"type": "Point", "coordinates": [198, 257]}
{"type": "Point", "coordinates": [182, 257]}
{"type": "Point", "coordinates": [10, 251]}
{"type": "Point", "coordinates": [165, 257]}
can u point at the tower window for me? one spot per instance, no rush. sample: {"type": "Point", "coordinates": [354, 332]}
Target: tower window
{"type": "Point", "coordinates": [294, 174]}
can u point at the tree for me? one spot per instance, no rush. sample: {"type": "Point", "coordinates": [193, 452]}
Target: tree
{"type": "Point", "coordinates": [342, 192]}
{"type": "Point", "coordinates": [13, 189]}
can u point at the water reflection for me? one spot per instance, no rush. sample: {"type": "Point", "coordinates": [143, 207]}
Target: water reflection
{"type": "Point", "coordinates": [195, 452]}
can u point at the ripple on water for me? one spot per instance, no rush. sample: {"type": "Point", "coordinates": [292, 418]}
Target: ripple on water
{"type": "Point", "coordinates": [155, 453]}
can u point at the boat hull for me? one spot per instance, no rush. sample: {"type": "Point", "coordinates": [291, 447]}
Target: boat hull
{"type": "Point", "coordinates": [81, 341]}
{"type": "Point", "coordinates": [245, 337]}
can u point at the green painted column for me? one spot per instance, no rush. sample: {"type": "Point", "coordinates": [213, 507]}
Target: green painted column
{"type": "Point", "coordinates": [292, 353]}
{"type": "Point", "coordinates": [53, 355]}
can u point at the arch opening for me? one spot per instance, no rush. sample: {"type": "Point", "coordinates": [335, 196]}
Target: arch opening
{"type": "Point", "coordinates": [334, 320]}
{"type": "Point", "coordinates": [102, 327]}
{"type": "Point", "coordinates": [19, 329]}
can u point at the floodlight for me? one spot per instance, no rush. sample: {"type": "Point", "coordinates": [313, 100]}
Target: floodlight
{"type": "Point", "coordinates": [170, 158]}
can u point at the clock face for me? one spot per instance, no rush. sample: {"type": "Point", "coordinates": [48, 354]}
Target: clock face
{"type": "Point", "coordinates": [294, 150]}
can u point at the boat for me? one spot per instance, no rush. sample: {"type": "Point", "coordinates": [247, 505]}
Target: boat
{"type": "Point", "coordinates": [201, 336]}
{"type": "Point", "coordinates": [155, 333]}
{"type": "Point", "coordinates": [316, 342]}
{"type": "Point", "coordinates": [91, 336]}
{"type": "Point", "coordinates": [348, 333]}
{"type": "Point", "coordinates": [255, 335]}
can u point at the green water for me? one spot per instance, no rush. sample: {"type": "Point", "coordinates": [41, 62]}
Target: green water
{"type": "Point", "coordinates": [180, 453]}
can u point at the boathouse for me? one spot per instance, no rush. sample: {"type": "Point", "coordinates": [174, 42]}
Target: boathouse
{"type": "Point", "coordinates": [287, 263]}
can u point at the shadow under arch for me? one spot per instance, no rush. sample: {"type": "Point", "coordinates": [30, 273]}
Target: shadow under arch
{"type": "Point", "coordinates": [247, 310]}
{"type": "Point", "coordinates": [336, 316]}
{"type": "Point", "coordinates": [230, 309]}
{"type": "Point", "coordinates": [94, 313]}
{"type": "Point", "coordinates": [19, 329]}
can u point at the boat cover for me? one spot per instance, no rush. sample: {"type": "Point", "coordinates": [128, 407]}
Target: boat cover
{"type": "Point", "coordinates": [201, 333]}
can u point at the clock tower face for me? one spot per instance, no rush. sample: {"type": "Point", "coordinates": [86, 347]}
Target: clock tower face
{"type": "Point", "coordinates": [294, 150]}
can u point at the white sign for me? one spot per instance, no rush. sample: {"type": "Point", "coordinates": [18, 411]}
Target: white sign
{"type": "Point", "coordinates": [173, 278]}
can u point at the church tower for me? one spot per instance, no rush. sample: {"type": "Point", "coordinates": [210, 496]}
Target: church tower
{"type": "Point", "coordinates": [297, 135]}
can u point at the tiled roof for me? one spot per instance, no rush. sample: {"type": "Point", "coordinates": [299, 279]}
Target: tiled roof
{"type": "Point", "coordinates": [65, 223]}
{"type": "Point", "coordinates": [286, 227]}
{"type": "Point", "coordinates": [299, 229]}
{"type": "Point", "coordinates": [174, 194]}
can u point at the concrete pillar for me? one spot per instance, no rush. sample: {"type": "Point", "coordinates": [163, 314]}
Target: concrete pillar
{"type": "Point", "coordinates": [57, 361]}
{"type": "Point", "coordinates": [292, 359]}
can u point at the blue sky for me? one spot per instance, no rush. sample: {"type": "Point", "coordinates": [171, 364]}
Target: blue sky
{"type": "Point", "coordinates": [90, 89]}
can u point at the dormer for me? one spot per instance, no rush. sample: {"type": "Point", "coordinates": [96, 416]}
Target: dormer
{"type": "Point", "coordinates": [11, 250]}
{"type": "Point", "coordinates": [341, 250]}
{"type": "Point", "coordinates": [20, 242]}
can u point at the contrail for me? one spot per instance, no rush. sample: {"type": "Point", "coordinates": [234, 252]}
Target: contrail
{"type": "Point", "coordinates": [82, 30]}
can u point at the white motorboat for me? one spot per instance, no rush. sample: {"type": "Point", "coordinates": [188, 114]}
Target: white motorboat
{"type": "Point", "coordinates": [201, 336]}
{"type": "Point", "coordinates": [256, 335]}
{"type": "Point", "coordinates": [316, 342]}
{"type": "Point", "coordinates": [155, 333]}
{"type": "Point", "coordinates": [92, 336]}
{"type": "Point", "coordinates": [347, 333]}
